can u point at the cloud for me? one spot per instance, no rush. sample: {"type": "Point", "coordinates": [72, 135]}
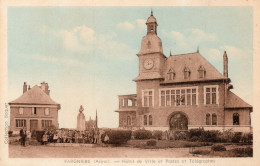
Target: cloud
{"type": "Point", "coordinates": [129, 26]}
{"type": "Point", "coordinates": [43, 29]}
{"type": "Point", "coordinates": [57, 60]}
{"type": "Point", "coordinates": [126, 26]}
{"type": "Point", "coordinates": [214, 54]}
{"type": "Point", "coordinates": [141, 23]}
{"type": "Point", "coordinates": [235, 51]}
{"type": "Point", "coordinates": [199, 35]}
{"type": "Point", "coordinates": [84, 40]}
{"type": "Point", "coordinates": [191, 39]}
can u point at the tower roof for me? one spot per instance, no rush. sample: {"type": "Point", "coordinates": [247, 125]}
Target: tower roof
{"type": "Point", "coordinates": [151, 19]}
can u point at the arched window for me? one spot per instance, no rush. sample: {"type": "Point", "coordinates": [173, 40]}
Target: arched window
{"type": "Point", "coordinates": [171, 74]}
{"type": "Point", "coordinates": [145, 119]}
{"type": "Point", "coordinates": [150, 120]}
{"type": "Point", "coordinates": [207, 119]}
{"type": "Point", "coordinates": [129, 121]}
{"type": "Point", "coordinates": [214, 119]}
{"type": "Point", "coordinates": [202, 72]}
{"type": "Point", "coordinates": [235, 119]}
{"type": "Point", "coordinates": [186, 73]}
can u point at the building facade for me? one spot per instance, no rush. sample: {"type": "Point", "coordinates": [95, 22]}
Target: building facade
{"type": "Point", "coordinates": [34, 109]}
{"type": "Point", "coordinates": [181, 92]}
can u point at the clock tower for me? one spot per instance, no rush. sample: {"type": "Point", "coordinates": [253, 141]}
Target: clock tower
{"type": "Point", "coordinates": [151, 57]}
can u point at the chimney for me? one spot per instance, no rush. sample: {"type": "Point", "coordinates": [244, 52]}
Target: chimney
{"type": "Point", "coordinates": [24, 87]}
{"type": "Point", "coordinates": [45, 87]}
{"type": "Point", "coordinates": [225, 59]}
{"type": "Point", "coordinates": [29, 87]}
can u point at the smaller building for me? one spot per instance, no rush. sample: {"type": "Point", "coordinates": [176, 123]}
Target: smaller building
{"type": "Point", "coordinates": [34, 109]}
{"type": "Point", "coordinates": [91, 124]}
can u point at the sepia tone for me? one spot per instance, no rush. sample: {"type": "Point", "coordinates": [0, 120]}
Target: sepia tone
{"type": "Point", "coordinates": [175, 95]}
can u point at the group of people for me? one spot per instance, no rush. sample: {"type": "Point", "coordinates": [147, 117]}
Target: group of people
{"type": "Point", "coordinates": [92, 136]}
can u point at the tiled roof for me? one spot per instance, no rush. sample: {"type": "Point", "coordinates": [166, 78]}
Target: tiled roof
{"type": "Point", "coordinates": [233, 101]}
{"type": "Point", "coordinates": [34, 96]}
{"type": "Point", "coordinates": [191, 61]}
{"type": "Point", "coordinates": [152, 75]}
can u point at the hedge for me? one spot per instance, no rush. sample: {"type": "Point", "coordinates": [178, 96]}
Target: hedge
{"type": "Point", "coordinates": [142, 134]}
{"type": "Point", "coordinates": [118, 136]}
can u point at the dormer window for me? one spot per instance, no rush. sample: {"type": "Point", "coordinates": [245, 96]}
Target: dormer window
{"type": "Point", "coordinates": [202, 72]}
{"type": "Point", "coordinates": [186, 73]}
{"type": "Point", "coordinates": [171, 74]}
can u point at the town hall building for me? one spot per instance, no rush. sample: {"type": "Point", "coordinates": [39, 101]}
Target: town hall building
{"type": "Point", "coordinates": [181, 92]}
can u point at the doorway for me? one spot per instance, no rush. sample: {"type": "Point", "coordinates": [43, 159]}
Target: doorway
{"type": "Point", "coordinates": [178, 122]}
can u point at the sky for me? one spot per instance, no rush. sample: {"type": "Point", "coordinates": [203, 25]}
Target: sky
{"type": "Point", "coordinates": [87, 55]}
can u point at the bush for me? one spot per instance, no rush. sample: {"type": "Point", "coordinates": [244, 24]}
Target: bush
{"type": "Point", "coordinates": [10, 133]}
{"type": "Point", "coordinates": [118, 136]}
{"type": "Point", "coordinates": [218, 148]}
{"type": "Point", "coordinates": [157, 134]}
{"type": "Point", "coordinates": [210, 136]}
{"type": "Point", "coordinates": [247, 138]}
{"type": "Point", "coordinates": [195, 132]}
{"type": "Point", "coordinates": [237, 137]}
{"type": "Point", "coordinates": [180, 135]}
{"type": "Point", "coordinates": [142, 134]}
{"type": "Point", "coordinates": [242, 152]}
{"type": "Point", "coordinates": [151, 143]}
{"type": "Point", "coordinates": [249, 151]}
{"type": "Point", "coordinates": [194, 139]}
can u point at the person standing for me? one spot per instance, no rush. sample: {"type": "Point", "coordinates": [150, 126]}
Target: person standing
{"type": "Point", "coordinates": [21, 135]}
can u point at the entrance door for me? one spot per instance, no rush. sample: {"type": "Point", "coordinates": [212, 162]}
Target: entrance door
{"type": "Point", "coordinates": [33, 125]}
{"type": "Point", "coordinates": [179, 122]}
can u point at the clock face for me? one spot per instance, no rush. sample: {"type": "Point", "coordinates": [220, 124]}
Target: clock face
{"type": "Point", "coordinates": [148, 63]}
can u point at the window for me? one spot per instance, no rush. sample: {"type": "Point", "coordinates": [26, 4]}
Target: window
{"type": "Point", "coordinates": [147, 98]}
{"type": "Point", "coordinates": [186, 73]}
{"type": "Point", "coordinates": [46, 123]}
{"type": "Point", "coordinates": [129, 121]}
{"type": "Point", "coordinates": [214, 119]}
{"type": "Point", "coordinates": [122, 102]}
{"type": "Point", "coordinates": [211, 94]}
{"type": "Point", "coordinates": [46, 111]}
{"type": "Point", "coordinates": [178, 96]}
{"type": "Point", "coordinates": [207, 119]}
{"type": "Point", "coordinates": [235, 119]}
{"type": "Point", "coordinates": [20, 111]}
{"type": "Point", "coordinates": [145, 119]}
{"type": "Point", "coordinates": [130, 103]}
{"type": "Point", "coordinates": [202, 72]}
{"type": "Point", "coordinates": [150, 120]}
{"type": "Point", "coordinates": [171, 74]}
{"type": "Point", "coordinates": [34, 110]}
{"type": "Point", "coordinates": [20, 123]}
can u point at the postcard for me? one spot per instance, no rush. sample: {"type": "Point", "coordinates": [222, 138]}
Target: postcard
{"type": "Point", "coordinates": [129, 83]}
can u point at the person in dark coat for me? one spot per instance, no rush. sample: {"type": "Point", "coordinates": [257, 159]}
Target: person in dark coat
{"type": "Point", "coordinates": [21, 135]}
